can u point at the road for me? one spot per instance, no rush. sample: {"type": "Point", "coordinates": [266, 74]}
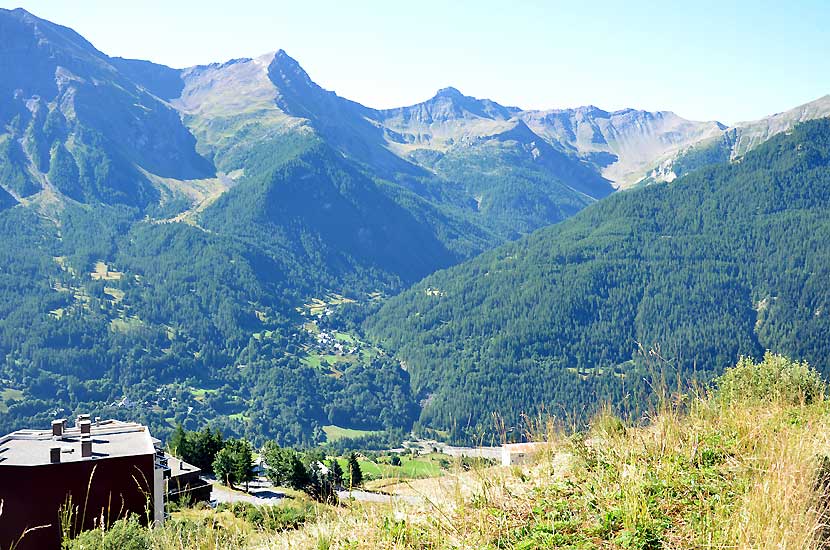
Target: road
{"type": "Point", "coordinates": [260, 493]}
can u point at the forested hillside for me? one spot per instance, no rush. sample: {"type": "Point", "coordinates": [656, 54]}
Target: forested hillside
{"type": "Point", "coordinates": [728, 261]}
{"type": "Point", "coordinates": [170, 235]}
{"type": "Point", "coordinates": [198, 245]}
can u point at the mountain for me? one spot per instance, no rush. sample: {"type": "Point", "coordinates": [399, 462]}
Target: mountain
{"type": "Point", "coordinates": [73, 125]}
{"type": "Point", "coordinates": [272, 97]}
{"type": "Point", "coordinates": [164, 232]}
{"type": "Point", "coordinates": [619, 147]}
{"type": "Point", "coordinates": [734, 142]}
{"type": "Point", "coordinates": [622, 144]}
{"type": "Point", "coordinates": [682, 278]}
{"type": "Point", "coordinates": [749, 135]}
{"type": "Point", "coordinates": [444, 120]}
{"type": "Point", "coordinates": [319, 206]}
{"type": "Point", "coordinates": [195, 245]}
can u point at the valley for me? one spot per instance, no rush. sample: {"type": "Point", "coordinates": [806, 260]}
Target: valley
{"type": "Point", "coordinates": [253, 300]}
{"type": "Point", "coordinates": [232, 244]}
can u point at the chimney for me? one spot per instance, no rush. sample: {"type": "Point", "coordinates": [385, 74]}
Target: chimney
{"type": "Point", "coordinates": [81, 418]}
{"type": "Point", "coordinates": [97, 420]}
{"type": "Point", "coordinates": [86, 447]}
{"type": "Point", "coordinates": [86, 427]}
{"type": "Point", "coordinates": [57, 428]}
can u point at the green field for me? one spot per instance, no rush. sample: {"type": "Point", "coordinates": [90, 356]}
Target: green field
{"type": "Point", "coordinates": [410, 468]}
{"type": "Point", "coordinates": [9, 394]}
{"type": "Point", "coordinates": [199, 394]}
{"type": "Point", "coordinates": [344, 337]}
{"type": "Point", "coordinates": [338, 300]}
{"type": "Point", "coordinates": [316, 360]}
{"type": "Point", "coordinates": [126, 325]}
{"type": "Point", "coordinates": [316, 306]}
{"type": "Point", "coordinates": [333, 433]}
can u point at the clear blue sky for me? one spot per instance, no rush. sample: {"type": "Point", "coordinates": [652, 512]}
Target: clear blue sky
{"type": "Point", "coordinates": [724, 60]}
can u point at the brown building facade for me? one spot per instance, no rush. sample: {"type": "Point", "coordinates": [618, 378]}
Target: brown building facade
{"type": "Point", "coordinates": [94, 472]}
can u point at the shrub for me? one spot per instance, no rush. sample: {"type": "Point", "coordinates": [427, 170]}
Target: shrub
{"type": "Point", "coordinates": [124, 534]}
{"type": "Point", "coordinates": [282, 518]}
{"type": "Point", "coordinates": [607, 425]}
{"type": "Point", "coordinates": [270, 518]}
{"type": "Point", "coordinates": [775, 378]}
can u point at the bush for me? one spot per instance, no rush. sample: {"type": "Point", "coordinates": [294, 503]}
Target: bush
{"type": "Point", "coordinates": [270, 518]}
{"type": "Point", "coordinates": [607, 425]}
{"type": "Point", "coordinates": [776, 378]}
{"type": "Point", "coordinates": [282, 518]}
{"type": "Point", "coordinates": [124, 534]}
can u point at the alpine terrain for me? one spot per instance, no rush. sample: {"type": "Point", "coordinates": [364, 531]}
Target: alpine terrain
{"type": "Point", "coordinates": [224, 244]}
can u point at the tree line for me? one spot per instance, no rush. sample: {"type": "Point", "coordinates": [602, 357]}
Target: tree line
{"type": "Point", "coordinates": [232, 461]}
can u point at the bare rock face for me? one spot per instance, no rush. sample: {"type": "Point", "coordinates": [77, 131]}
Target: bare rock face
{"type": "Point", "coordinates": [735, 141]}
{"type": "Point", "coordinates": [624, 144]}
{"type": "Point", "coordinates": [70, 115]}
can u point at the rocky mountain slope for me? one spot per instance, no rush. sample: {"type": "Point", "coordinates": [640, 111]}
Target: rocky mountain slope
{"type": "Point", "coordinates": [622, 144]}
{"type": "Point", "coordinates": [74, 126]}
{"type": "Point", "coordinates": [733, 142]}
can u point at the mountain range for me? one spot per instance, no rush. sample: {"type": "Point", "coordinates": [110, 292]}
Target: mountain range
{"type": "Point", "coordinates": [167, 232]}
{"type": "Point", "coordinates": [663, 285]}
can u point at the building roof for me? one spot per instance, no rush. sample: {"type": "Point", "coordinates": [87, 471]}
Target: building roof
{"type": "Point", "coordinates": [110, 438]}
{"type": "Point", "coordinates": [179, 467]}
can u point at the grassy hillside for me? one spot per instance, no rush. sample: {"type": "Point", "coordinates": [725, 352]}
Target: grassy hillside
{"type": "Point", "coordinates": [744, 465]}
{"type": "Point", "coordinates": [728, 261]}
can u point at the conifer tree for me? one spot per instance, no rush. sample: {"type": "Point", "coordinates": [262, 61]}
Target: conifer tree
{"type": "Point", "coordinates": [355, 473]}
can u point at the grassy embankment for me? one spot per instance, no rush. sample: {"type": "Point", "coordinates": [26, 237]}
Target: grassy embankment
{"type": "Point", "coordinates": [745, 466]}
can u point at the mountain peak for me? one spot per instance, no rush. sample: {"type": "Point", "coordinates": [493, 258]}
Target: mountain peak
{"type": "Point", "coordinates": [449, 103]}
{"type": "Point", "coordinates": [285, 71]}
{"type": "Point", "coordinates": [288, 64]}
{"type": "Point", "coordinates": [19, 11]}
{"type": "Point", "coordinates": [45, 32]}
{"type": "Point", "coordinates": [21, 14]}
{"type": "Point", "coordinates": [283, 57]}
{"type": "Point", "coordinates": [450, 92]}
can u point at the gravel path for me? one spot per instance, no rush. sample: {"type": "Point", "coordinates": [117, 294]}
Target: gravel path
{"type": "Point", "coordinates": [263, 494]}
{"type": "Point", "coordinates": [366, 496]}
{"type": "Point", "coordinates": [259, 494]}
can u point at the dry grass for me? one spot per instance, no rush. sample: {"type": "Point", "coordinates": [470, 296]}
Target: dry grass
{"type": "Point", "coordinates": [785, 506]}
{"type": "Point", "coordinates": [705, 473]}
